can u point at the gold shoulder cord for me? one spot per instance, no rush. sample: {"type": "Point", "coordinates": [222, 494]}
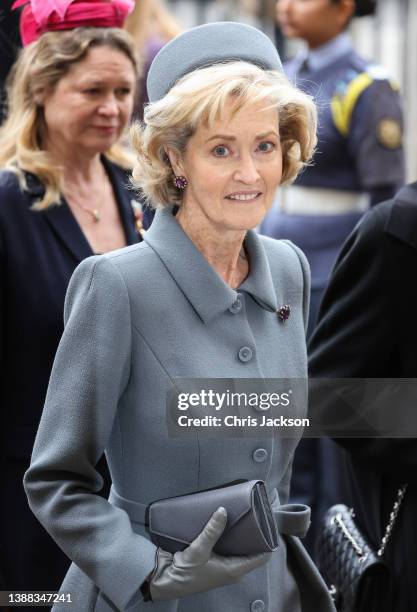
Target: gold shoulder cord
{"type": "Point", "coordinates": [342, 105]}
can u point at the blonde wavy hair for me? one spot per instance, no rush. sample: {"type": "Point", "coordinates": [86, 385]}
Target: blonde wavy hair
{"type": "Point", "coordinates": [201, 96]}
{"type": "Point", "coordinates": [38, 69]}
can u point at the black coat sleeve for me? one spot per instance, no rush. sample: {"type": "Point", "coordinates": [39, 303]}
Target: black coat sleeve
{"type": "Point", "coordinates": [366, 325]}
{"type": "Point", "coordinates": [2, 300]}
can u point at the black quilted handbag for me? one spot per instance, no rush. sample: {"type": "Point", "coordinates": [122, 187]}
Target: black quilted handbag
{"type": "Point", "coordinates": [356, 575]}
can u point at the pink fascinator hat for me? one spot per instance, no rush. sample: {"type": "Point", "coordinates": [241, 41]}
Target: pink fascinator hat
{"type": "Point", "coordinates": [40, 16]}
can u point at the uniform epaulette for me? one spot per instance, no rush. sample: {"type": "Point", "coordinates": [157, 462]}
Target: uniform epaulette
{"type": "Point", "coordinates": [347, 94]}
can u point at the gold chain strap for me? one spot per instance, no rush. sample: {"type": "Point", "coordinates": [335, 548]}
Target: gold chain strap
{"type": "Point", "coordinates": [392, 520]}
{"type": "Point", "coordinates": [338, 520]}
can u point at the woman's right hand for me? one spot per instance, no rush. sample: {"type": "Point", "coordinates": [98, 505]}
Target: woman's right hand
{"type": "Point", "coordinates": [197, 568]}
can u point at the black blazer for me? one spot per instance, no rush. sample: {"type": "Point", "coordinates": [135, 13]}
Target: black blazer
{"type": "Point", "coordinates": [368, 328]}
{"type": "Point", "coordinates": [38, 254]}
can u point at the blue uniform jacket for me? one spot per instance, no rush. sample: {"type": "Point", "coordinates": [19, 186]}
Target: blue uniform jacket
{"type": "Point", "coordinates": [360, 120]}
{"type": "Point", "coordinates": [359, 149]}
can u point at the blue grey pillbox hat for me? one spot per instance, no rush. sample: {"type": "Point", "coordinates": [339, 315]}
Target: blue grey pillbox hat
{"type": "Point", "coordinates": [205, 45]}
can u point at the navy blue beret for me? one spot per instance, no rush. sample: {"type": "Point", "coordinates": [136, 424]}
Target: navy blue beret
{"type": "Point", "coordinates": [206, 45]}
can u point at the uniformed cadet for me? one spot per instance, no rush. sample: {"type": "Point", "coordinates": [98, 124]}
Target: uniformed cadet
{"type": "Point", "coordinates": [359, 160]}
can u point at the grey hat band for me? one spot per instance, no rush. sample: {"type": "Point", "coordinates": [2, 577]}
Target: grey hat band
{"type": "Point", "coordinates": [206, 45]}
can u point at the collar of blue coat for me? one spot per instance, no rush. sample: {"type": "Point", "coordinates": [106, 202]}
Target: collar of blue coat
{"type": "Point", "coordinates": [327, 54]}
{"type": "Point", "coordinates": [207, 292]}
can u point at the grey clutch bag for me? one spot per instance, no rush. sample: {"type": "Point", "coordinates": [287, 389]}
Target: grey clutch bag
{"type": "Point", "coordinates": [251, 529]}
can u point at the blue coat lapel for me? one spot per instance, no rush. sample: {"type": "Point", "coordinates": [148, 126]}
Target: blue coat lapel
{"type": "Point", "coordinates": [191, 271]}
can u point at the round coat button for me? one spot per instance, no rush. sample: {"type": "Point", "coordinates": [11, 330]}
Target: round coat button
{"type": "Point", "coordinates": [245, 354]}
{"type": "Point", "coordinates": [236, 306]}
{"type": "Point", "coordinates": [257, 606]}
{"type": "Point", "coordinates": [260, 455]}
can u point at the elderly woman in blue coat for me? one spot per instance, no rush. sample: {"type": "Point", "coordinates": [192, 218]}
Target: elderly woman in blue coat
{"type": "Point", "coordinates": [202, 296]}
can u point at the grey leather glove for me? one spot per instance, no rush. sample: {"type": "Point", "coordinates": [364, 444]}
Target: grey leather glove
{"type": "Point", "coordinates": [197, 568]}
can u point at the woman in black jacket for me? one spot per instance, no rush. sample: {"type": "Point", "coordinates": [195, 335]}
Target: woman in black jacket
{"type": "Point", "coordinates": [63, 197]}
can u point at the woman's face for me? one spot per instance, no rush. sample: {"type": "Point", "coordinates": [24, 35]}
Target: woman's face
{"type": "Point", "coordinates": [233, 168]}
{"type": "Point", "coordinates": [315, 21]}
{"type": "Point", "coordinates": [91, 104]}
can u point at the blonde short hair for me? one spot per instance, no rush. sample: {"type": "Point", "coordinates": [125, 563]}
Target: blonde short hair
{"type": "Point", "coordinates": [38, 69]}
{"type": "Point", "coordinates": [201, 96]}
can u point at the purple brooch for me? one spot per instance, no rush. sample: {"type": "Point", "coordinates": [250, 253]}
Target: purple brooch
{"type": "Point", "coordinates": [284, 313]}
